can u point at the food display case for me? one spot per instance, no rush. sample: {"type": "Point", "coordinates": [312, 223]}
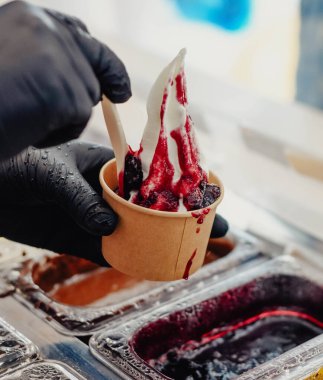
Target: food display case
{"type": "Point", "coordinates": [260, 323]}
{"type": "Point", "coordinates": [253, 311]}
{"type": "Point", "coordinates": [77, 297]}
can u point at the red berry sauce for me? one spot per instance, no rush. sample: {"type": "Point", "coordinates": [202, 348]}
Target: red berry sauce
{"type": "Point", "coordinates": [188, 266]}
{"type": "Point", "coordinates": [159, 191]}
{"type": "Point", "coordinates": [200, 215]}
{"type": "Point", "coordinates": [224, 336]}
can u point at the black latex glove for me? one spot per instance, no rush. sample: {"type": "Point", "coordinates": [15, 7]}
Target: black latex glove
{"type": "Point", "coordinates": [220, 227]}
{"type": "Point", "coordinates": [52, 72]}
{"type": "Point", "coordinates": [49, 198]}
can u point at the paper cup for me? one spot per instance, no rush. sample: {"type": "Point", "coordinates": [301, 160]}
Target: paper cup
{"type": "Point", "coordinates": [151, 244]}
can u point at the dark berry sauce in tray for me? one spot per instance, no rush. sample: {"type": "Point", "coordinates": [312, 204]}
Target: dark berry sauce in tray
{"type": "Point", "coordinates": [225, 336]}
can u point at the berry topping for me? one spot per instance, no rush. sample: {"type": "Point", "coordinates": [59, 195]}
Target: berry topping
{"type": "Point", "coordinates": [211, 194]}
{"type": "Point", "coordinates": [132, 174]}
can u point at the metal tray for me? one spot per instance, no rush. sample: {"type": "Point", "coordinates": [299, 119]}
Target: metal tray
{"type": "Point", "coordinates": [74, 320]}
{"type": "Point", "coordinates": [119, 349]}
{"type": "Point", "coordinates": [49, 370]}
{"type": "Point", "coordinates": [15, 349]}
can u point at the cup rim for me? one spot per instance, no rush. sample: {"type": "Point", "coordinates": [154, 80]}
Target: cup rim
{"type": "Point", "coordinates": [169, 214]}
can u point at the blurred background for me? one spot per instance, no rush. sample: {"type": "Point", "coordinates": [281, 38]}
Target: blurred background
{"type": "Point", "coordinates": [254, 43]}
{"type": "Point", "coordinates": [255, 88]}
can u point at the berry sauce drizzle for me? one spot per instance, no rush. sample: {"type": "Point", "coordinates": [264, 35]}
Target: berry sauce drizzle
{"type": "Point", "coordinates": [218, 333]}
{"type": "Point", "coordinates": [188, 266]}
{"type": "Point", "coordinates": [159, 191]}
{"type": "Point", "coordinates": [200, 215]}
{"type": "Point", "coordinates": [181, 88]}
{"type": "Point", "coordinates": [121, 180]}
{"type": "Point", "coordinates": [161, 170]}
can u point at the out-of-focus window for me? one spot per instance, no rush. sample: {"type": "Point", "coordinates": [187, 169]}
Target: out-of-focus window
{"type": "Point", "coordinates": [310, 67]}
{"type": "Point", "coordinates": [270, 46]}
{"type": "Point", "coordinates": [256, 48]}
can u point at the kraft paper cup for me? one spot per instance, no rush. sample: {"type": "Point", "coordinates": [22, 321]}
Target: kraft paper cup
{"type": "Point", "coordinates": [155, 245]}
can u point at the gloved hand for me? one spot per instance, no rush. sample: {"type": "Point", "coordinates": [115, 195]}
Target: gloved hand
{"type": "Point", "coordinates": [220, 227]}
{"type": "Point", "coordinates": [52, 72]}
{"type": "Point", "coordinates": [50, 198]}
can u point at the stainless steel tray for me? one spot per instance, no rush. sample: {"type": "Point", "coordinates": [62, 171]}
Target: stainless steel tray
{"type": "Point", "coordinates": [49, 370]}
{"type": "Point", "coordinates": [73, 320]}
{"type": "Point", "coordinates": [117, 348]}
{"type": "Point", "coordinates": [15, 349]}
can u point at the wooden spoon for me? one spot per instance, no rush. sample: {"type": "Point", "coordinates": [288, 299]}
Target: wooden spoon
{"type": "Point", "coordinates": [116, 133]}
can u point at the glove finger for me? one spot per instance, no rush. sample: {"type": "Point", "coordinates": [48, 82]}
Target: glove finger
{"type": "Point", "coordinates": [110, 71]}
{"type": "Point", "coordinates": [220, 227]}
{"type": "Point", "coordinates": [108, 68]}
{"type": "Point", "coordinates": [48, 227]}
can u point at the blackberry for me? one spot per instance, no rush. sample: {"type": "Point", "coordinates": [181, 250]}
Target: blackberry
{"type": "Point", "coordinates": [167, 201]}
{"type": "Point", "coordinates": [132, 174]}
{"type": "Point", "coordinates": [211, 194]}
{"type": "Point", "coordinates": [163, 201]}
{"type": "Point", "coordinates": [194, 200]}
{"type": "Point", "coordinates": [149, 201]}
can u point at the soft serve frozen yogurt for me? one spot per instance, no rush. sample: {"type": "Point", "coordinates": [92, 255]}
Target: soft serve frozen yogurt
{"type": "Point", "coordinates": [168, 172]}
